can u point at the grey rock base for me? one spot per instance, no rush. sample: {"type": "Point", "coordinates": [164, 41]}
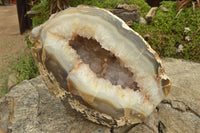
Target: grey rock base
{"type": "Point", "coordinates": [30, 108]}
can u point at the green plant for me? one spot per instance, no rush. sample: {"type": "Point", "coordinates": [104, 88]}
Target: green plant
{"type": "Point", "coordinates": [167, 32]}
{"type": "Point", "coordinates": [26, 67]}
{"type": "Point", "coordinates": [143, 6]}
{"type": "Point", "coordinates": [42, 13]}
{"type": "Point", "coordinates": [44, 8]}
{"type": "Point", "coordinates": [28, 42]}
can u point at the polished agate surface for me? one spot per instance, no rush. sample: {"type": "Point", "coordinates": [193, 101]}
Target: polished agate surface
{"type": "Point", "coordinates": [105, 65]}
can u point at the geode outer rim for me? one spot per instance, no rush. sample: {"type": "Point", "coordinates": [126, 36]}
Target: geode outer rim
{"type": "Point", "coordinates": [91, 114]}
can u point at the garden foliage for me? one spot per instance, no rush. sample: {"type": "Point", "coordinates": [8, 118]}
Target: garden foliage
{"type": "Point", "coordinates": [167, 32]}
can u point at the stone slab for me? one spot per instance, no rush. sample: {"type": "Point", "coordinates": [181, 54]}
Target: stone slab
{"type": "Point", "coordinates": [30, 107]}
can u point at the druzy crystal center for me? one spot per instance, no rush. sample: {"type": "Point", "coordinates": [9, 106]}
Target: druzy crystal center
{"type": "Point", "coordinates": [102, 62]}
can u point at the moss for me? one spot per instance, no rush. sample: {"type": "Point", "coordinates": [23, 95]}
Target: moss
{"type": "Point", "coordinates": [143, 6]}
{"type": "Point", "coordinates": [167, 32]}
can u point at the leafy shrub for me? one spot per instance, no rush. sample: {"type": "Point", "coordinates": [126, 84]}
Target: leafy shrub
{"type": "Point", "coordinates": [143, 6]}
{"type": "Point", "coordinates": [26, 67]}
{"type": "Point", "coordinates": [43, 8]}
{"type": "Point", "coordinates": [42, 13]}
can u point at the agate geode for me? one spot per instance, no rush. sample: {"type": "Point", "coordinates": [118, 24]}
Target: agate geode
{"type": "Point", "coordinates": [106, 70]}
